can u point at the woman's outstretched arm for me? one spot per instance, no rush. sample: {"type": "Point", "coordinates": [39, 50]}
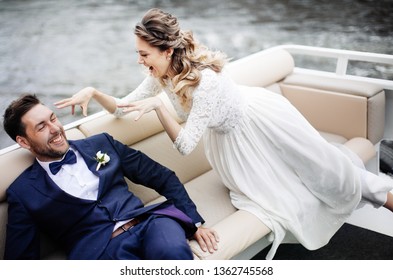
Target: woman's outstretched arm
{"type": "Point", "coordinates": [83, 97]}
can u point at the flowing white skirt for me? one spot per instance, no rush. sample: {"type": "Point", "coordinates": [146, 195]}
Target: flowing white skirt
{"type": "Point", "coordinates": [278, 167]}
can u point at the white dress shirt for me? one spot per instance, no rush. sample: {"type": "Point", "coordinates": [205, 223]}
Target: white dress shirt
{"type": "Point", "coordinates": [75, 179]}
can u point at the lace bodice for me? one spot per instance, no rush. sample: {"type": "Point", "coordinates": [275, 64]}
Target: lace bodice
{"type": "Point", "coordinates": [217, 104]}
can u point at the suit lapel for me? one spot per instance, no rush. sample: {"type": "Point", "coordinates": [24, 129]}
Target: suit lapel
{"type": "Point", "coordinates": [88, 154]}
{"type": "Point", "coordinates": [40, 180]}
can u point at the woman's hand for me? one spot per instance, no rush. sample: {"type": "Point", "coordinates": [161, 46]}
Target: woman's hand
{"type": "Point", "coordinates": [143, 106]}
{"type": "Point", "coordinates": [207, 239]}
{"type": "Point", "coordinates": [81, 98]}
{"type": "Point", "coordinates": [170, 124]}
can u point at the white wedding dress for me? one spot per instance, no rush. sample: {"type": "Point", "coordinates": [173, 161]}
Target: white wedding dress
{"type": "Point", "coordinates": [274, 162]}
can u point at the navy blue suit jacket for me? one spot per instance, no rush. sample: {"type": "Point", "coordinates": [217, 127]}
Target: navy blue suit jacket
{"type": "Point", "coordinates": [84, 227]}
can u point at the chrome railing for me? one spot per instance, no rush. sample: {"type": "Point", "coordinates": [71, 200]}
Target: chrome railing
{"type": "Point", "coordinates": [343, 57]}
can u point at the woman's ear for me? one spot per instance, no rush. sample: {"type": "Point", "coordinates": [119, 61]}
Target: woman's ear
{"type": "Point", "coordinates": [169, 52]}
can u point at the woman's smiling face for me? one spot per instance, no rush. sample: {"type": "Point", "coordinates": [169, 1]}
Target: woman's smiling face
{"type": "Point", "coordinates": [151, 57]}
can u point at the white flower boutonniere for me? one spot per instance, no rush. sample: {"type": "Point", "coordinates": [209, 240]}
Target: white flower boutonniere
{"type": "Point", "coordinates": [102, 159]}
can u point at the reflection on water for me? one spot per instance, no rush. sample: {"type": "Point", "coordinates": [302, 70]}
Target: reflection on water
{"type": "Point", "coordinates": [54, 48]}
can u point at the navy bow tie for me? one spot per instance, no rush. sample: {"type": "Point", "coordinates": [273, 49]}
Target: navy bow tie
{"type": "Point", "coordinates": [70, 158]}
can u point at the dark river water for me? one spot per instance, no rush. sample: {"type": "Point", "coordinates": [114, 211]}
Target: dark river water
{"type": "Point", "coordinates": [55, 48]}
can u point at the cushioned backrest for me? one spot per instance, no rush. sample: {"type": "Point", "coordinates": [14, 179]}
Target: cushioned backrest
{"type": "Point", "coordinates": [263, 68]}
{"type": "Point", "coordinates": [123, 129]}
{"type": "Point", "coordinates": [126, 129]}
{"type": "Point", "coordinates": [159, 147]}
{"type": "Point", "coordinates": [335, 84]}
{"type": "Point", "coordinates": [333, 104]}
{"type": "Point", "coordinates": [12, 165]}
{"type": "Point", "coordinates": [332, 112]}
{"type": "Point", "coordinates": [3, 223]}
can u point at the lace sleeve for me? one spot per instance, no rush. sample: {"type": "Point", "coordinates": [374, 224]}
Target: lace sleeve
{"type": "Point", "coordinates": [148, 88]}
{"type": "Point", "coordinates": [204, 101]}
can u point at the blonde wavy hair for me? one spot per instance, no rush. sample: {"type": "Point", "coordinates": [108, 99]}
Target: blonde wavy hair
{"type": "Point", "coordinates": [161, 30]}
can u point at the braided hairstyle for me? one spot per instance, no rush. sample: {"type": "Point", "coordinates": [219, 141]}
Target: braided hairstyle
{"type": "Point", "coordinates": [161, 30]}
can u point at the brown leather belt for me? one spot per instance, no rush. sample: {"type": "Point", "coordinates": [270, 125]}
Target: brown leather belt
{"type": "Point", "coordinates": [127, 226]}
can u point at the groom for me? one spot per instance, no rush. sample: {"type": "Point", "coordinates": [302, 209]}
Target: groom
{"type": "Point", "coordinates": [80, 198]}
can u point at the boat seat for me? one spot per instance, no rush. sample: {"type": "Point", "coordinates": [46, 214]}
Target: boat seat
{"type": "Point", "coordinates": [344, 107]}
{"type": "Point", "coordinates": [343, 112]}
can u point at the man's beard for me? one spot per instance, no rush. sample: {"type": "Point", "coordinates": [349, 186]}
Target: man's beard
{"type": "Point", "coordinates": [47, 153]}
{"type": "Point", "coordinates": [43, 151]}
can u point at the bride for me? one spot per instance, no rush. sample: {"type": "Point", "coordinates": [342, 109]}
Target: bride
{"type": "Point", "coordinates": [275, 164]}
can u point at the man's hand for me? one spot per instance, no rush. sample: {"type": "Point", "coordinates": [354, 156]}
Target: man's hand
{"type": "Point", "coordinates": [207, 239]}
